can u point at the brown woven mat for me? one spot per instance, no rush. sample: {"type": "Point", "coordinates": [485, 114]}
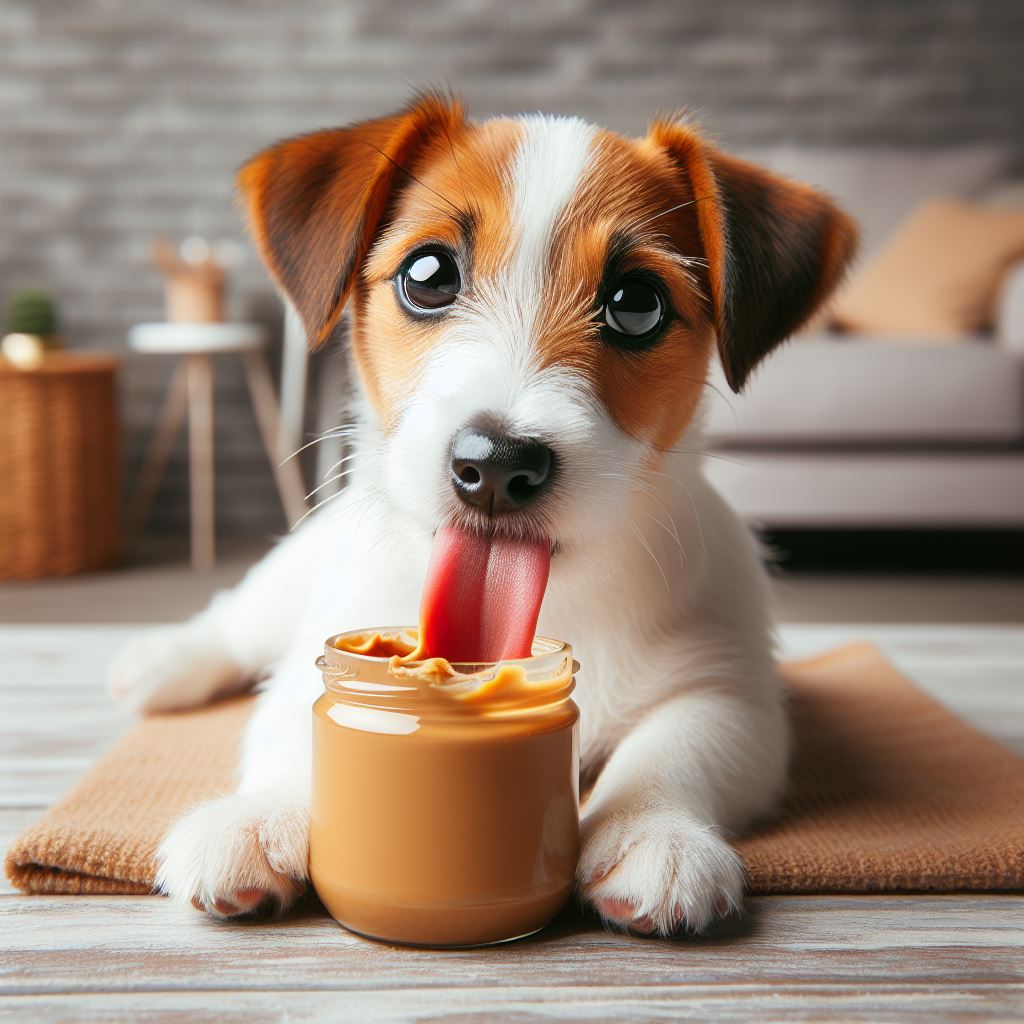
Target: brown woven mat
{"type": "Point", "coordinates": [890, 792]}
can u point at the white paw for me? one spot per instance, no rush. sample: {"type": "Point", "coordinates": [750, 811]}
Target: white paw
{"type": "Point", "coordinates": [170, 668]}
{"type": "Point", "coordinates": [236, 855]}
{"type": "Point", "coordinates": [658, 872]}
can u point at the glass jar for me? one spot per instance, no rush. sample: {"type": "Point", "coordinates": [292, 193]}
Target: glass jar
{"type": "Point", "coordinates": [445, 800]}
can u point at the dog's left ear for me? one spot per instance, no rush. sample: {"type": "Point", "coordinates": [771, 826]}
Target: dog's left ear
{"type": "Point", "coordinates": [315, 202]}
{"type": "Point", "coordinates": [775, 249]}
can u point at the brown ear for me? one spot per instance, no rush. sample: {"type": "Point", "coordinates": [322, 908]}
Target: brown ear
{"type": "Point", "coordinates": [775, 248]}
{"type": "Point", "coordinates": [315, 202]}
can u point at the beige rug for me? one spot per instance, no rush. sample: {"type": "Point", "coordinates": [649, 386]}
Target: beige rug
{"type": "Point", "coordinates": [890, 793]}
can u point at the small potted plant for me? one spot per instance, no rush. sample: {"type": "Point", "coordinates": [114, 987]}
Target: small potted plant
{"type": "Point", "coordinates": [60, 501]}
{"type": "Point", "coordinates": [31, 328]}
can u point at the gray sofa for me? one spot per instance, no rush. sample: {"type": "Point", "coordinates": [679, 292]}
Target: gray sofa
{"type": "Point", "coordinates": [842, 431]}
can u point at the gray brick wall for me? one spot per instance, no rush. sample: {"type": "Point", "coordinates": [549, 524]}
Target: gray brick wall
{"type": "Point", "coordinates": [121, 119]}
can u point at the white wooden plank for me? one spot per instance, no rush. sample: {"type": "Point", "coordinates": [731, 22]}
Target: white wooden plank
{"type": "Point", "coordinates": [812, 1000]}
{"type": "Point", "coordinates": [1000, 644]}
{"type": "Point", "coordinates": [118, 943]}
{"type": "Point", "coordinates": [57, 656]}
{"type": "Point", "coordinates": [78, 723]}
{"type": "Point", "coordinates": [40, 781]}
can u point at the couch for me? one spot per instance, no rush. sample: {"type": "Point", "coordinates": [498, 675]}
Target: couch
{"type": "Point", "coordinates": [846, 431]}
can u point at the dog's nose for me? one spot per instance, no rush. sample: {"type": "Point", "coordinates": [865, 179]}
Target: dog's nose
{"type": "Point", "coordinates": [497, 472]}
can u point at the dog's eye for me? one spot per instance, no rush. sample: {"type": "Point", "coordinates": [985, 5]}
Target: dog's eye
{"type": "Point", "coordinates": [429, 280]}
{"type": "Point", "coordinates": [634, 310]}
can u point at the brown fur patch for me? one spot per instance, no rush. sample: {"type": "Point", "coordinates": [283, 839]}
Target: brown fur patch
{"type": "Point", "coordinates": [634, 201]}
{"type": "Point", "coordinates": [460, 199]}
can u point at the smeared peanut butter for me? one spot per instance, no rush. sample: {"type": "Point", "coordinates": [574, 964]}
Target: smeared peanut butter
{"type": "Point", "coordinates": [489, 691]}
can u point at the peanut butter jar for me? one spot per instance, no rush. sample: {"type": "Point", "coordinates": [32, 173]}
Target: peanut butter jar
{"type": "Point", "coordinates": [445, 801]}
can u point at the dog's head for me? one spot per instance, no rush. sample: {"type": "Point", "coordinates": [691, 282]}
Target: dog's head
{"type": "Point", "coordinates": [535, 301]}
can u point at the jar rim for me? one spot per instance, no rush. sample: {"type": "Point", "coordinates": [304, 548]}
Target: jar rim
{"type": "Point", "coordinates": [554, 650]}
{"type": "Point", "coordinates": [377, 680]}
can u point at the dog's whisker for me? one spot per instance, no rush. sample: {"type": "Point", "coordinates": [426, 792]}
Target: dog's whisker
{"type": "Point", "coordinates": [673, 535]}
{"type": "Point", "coordinates": [319, 505]}
{"type": "Point", "coordinates": [725, 398]}
{"type": "Point", "coordinates": [458, 169]}
{"type": "Point", "coordinates": [675, 528]}
{"type": "Point", "coordinates": [649, 550]}
{"type": "Point", "coordinates": [672, 209]}
{"type": "Point", "coordinates": [331, 480]}
{"type": "Point", "coordinates": [405, 170]}
{"type": "Point", "coordinates": [701, 452]}
{"type": "Point", "coordinates": [341, 462]}
{"type": "Point", "coordinates": [328, 435]}
{"type": "Point", "coordinates": [647, 488]}
{"type": "Point", "coordinates": [690, 498]}
{"type": "Point", "coordinates": [696, 516]}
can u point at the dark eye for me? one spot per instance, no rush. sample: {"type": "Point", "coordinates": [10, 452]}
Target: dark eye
{"type": "Point", "coordinates": [634, 310]}
{"type": "Point", "coordinates": [429, 280]}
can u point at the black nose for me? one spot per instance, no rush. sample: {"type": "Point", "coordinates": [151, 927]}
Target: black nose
{"type": "Point", "coordinates": [496, 472]}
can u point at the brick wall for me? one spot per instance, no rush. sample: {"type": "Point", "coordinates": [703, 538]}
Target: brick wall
{"type": "Point", "coordinates": [121, 119]}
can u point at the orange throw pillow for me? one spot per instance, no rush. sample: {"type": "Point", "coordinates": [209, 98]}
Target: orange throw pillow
{"type": "Point", "coordinates": [938, 274]}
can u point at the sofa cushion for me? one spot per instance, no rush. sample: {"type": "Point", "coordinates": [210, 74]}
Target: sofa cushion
{"type": "Point", "coordinates": [821, 391]}
{"type": "Point", "coordinates": [937, 275]}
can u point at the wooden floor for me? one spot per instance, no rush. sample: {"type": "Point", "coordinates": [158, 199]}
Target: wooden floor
{"type": "Point", "coordinates": [789, 959]}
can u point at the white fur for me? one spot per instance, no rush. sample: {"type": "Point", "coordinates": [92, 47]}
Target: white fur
{"type": "Point", "coordinates": [240, 844]}
{"type": "Point", "coordinates": [551, 160]}
{"type": "Point", "coordinates": [656, 583]}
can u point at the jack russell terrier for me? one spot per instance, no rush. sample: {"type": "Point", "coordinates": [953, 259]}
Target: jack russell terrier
{"type": "Point", "coordinates": [534, 303]}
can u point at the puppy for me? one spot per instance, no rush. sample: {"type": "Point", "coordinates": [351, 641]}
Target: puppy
{"type": "Point", "coordinates": [553, 288]}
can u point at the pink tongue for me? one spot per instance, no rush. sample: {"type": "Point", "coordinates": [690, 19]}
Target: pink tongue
{"type": "Point", "coordinates": [482, 596]}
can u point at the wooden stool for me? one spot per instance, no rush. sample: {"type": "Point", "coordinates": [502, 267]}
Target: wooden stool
{"type": "Point", "coordinates": [191, 391]}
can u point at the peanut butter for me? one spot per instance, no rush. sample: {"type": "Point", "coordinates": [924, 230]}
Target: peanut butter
{"type": "Point", "coordinates": [445, 797]}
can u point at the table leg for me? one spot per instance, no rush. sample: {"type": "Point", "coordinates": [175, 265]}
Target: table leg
{"type": "Point", "coordinates": [287, 474]}
{"type": "Point", "coordinates": [168, 425]}
{"type": "Point", "coordinates": [200, 459]}
{"type": "Point", "coordinates": [294, 363]}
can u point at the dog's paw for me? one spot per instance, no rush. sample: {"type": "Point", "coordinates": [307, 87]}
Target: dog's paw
{"type": "Point", "coordinates": [237, 855]}
{"type": "Point", "coordinates": [657, 873]}
{"type": "Point", "coordinates": [169, 669]}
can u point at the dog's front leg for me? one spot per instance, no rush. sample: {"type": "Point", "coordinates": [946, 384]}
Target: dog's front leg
{"type": "Point", "coordinates": [248, 851]}
{"type": "Point", "coordinates": [232, 641]}
{"type": "Point", "coordinates": [654, 854]}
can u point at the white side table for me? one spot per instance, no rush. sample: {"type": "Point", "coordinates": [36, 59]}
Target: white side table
{"type": "Point", "coordinates": [191, 392]}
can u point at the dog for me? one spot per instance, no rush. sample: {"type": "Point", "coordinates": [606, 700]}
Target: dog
{"type": "Point", "coordinates": [559, 292]}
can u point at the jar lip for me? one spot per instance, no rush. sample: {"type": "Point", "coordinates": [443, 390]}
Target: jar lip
{"type": "Point", "coordinates": [547, 677]}
{"type": "Point", "coordinates": [554, 649]}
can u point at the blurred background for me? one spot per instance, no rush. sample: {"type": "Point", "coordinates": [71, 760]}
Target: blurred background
{"type": "Point", "coordinates": [882, 452]}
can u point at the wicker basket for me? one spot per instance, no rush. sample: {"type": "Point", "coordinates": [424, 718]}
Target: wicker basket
{"type": "Point", "coordinates": [60, 486]}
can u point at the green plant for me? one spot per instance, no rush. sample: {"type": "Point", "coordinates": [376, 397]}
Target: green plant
{"type": "Point", "coordinates": [32, 312]}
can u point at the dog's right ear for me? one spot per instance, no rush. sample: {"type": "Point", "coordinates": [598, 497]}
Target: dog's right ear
{"type": "Point", "coordinates": [315, 202]}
